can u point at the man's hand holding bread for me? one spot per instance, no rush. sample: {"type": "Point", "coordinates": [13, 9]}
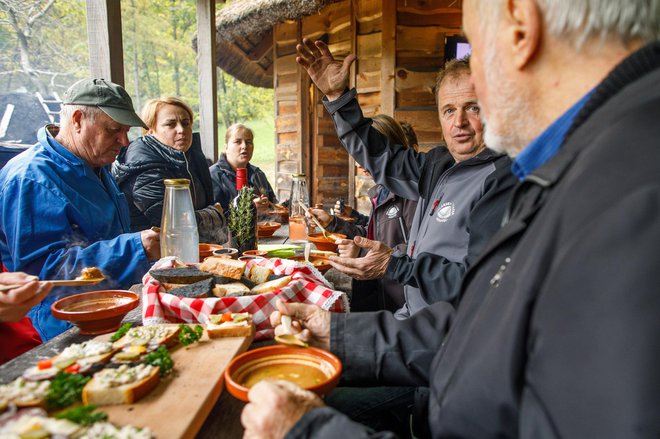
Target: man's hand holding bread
{"type": "Point", "coordinates": [310, 323]}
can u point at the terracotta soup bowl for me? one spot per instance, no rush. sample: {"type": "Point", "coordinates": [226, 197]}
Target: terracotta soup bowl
{"type": "Point", "coordinates": [96, 312]}
{"type": "Point", "coordinates": [311, 368]}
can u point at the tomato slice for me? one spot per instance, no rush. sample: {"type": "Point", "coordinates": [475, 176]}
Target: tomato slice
{"type": "Point", "coordinates": [227, 317]}
{"type": "Point", "coordinates": [74, 368]}
{"type": "Point", "coordinates": [44, 364]}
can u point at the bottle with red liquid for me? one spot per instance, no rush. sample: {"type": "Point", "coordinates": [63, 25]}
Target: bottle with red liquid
{"type": "Point", "coordinates": [241, 178]}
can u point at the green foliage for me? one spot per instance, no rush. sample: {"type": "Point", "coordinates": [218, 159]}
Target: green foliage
{"type": "Point", "coordinates": [83, 415]}
{"type": "Point", "coordinates": [159, 59]}
{"type": "Point", "coordinates": [238, 102]}
{"type": "Point", "coordinates": [65, 390]}
{"type": "Point", "coordinates": [161, 358]}
{"type": "Point", "coordinates": [123, 329]}
{"type": "Point", "coordinates": [242, 216]}
{"type": "Point", "coordinates": [188, 335]}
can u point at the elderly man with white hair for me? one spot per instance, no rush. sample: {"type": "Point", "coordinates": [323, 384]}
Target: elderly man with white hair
{"type": "Point", "coordinates": [557, 331]}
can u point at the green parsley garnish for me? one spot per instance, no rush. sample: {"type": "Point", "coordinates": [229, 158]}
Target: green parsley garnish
{"type": "Point", "coordinates": [189, 335]}
{"type": "Point", "coordinates": [65, 390]}
{"type": "Point", "coordinates": [161, 358]}
{"type": "Point", "coordinates": [123, 329]}
{"type": "Point", "coordinates": [83, 415]}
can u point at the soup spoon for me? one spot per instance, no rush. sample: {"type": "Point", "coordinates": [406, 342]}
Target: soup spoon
{"type": "Point", "coordinates": [288, 338]}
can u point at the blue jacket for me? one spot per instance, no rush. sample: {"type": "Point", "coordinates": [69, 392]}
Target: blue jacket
{"type": "Point", "coordinates": [58, 216]}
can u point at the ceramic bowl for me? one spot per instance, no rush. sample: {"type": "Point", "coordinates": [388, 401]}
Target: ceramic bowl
{"type": "Point", "coordinates": [323, 243]}
{"type": "Point", "coordinates": [319, 369]}
{"type": "Point", "coordinates": [206, 250]}
{"type": "Point", "coordinates": [96, 312]}
{"type": "Point", "coordinates": [267, 228]}
{"type": "Point", "coordinates": [279, 215]}
{"type": "Point", "coordinates": [226, 252]}
{"type": "Point", "coordinates": [320, 264]}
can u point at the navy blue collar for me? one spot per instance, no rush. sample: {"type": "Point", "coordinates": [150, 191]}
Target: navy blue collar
{"type": "Point", "coordinates": [546, 145]}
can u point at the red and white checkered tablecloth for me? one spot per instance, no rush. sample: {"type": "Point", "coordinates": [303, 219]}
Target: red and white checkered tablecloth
{"type": "Point", "coordinates": [306, 286]}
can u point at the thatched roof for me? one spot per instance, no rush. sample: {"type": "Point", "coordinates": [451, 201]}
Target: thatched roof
{"type": "Point", "coordinates": [245, 39]}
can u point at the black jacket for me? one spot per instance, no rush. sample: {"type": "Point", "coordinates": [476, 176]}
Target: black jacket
{"type": "Point", "coordinates": [392, 218]}
{"type": "Point", "coordinates": [140, 170]}
{"type": "Point", "coordinates": [557, 334]}
{"type": "Point", "coordinates": [224, 182]}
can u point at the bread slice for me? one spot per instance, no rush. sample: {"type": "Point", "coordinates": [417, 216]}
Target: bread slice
{"type": "Point", "coordinates": [24, 393]}
{"type": "Point", "coordinates": [103, 390]}
{"type": "Point", "coordinates": [241, 325]}
{"type": "Point", "coordinates": [259, 275]}
{"type": "Point", "coordinates": [272, 285]}
{"type": "Point", "coordinates": [166, 335]}
{"type": "Point", "coordinates": [320, 254]}
{"type": "Point", "coordinates": [181, 275]}
{"type": "Point", "coordinates": [232, 268]}
{"type": "Point", "coordinates": [231, 289]}
{"type": "Point", "coordinates": [197, 290]}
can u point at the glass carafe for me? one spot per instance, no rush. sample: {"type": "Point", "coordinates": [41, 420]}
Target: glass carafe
{"type": "Point", "coordinates": [178, 226]}
{"type": "Point", "coordinates": [298, 195]}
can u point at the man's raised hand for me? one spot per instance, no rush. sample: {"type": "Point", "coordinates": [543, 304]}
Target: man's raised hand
{"type": "Point", "coordinates": [329, 75]}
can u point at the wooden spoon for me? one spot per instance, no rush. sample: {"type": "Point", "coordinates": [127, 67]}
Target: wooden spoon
{"type": "Point", "coordinates": [288, 338]}
{"type": "Point", "coordinates": [58, 283]}
{"type": "Point", "coordinates": [326, 234]}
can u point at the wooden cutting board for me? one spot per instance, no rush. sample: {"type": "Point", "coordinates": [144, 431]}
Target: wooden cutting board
{"type": "Point", "coordinates": [179, 405]}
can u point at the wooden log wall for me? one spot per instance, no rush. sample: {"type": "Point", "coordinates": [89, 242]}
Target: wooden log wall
{"type": "Point", "coordinates": [400, 48]}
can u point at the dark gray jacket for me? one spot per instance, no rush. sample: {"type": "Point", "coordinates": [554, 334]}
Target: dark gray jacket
{"type": "Point", "coordinates": [460, 204]}
{"type": "Point", "coordinates": [391, 220]}
{"type": "Point", "coordinates": [558, 333]}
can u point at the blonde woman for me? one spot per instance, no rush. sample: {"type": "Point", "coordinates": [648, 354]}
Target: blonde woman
{"type": "Point", "coordinates": [166, 150]}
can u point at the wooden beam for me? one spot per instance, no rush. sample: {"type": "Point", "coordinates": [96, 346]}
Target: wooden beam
{"type": "Point", "coordinates": [352, 81]}
{"type": "Point", "coordinates": [104, 40]}
{"type": "Point", "coordinates": [206, 68]}
{"type": "Point", "coordinates": [388, 62]}
{"type": "Point", "coordinates": [260, 50]}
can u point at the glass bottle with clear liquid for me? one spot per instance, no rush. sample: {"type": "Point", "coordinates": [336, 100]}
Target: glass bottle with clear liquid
{"type": "Point", "coordinates": [297, 221]}
{"type": "Point", "coordinates": [178, 226]}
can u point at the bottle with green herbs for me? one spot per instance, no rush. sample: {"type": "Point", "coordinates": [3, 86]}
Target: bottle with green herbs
{"type": "Point", "coordinates": [243, 221]}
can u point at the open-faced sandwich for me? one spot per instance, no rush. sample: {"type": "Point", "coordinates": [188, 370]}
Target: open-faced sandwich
{"type": "Point", "coordinates": [76, 423]}
{"type": "Point", "coordinates": [77, 358]}
{"type": "Point", "coordinates": [23, 393]}
{"type": "Point", "coordinates": [230, 324]}
{"type": "Point", "coordinates": [151, 337]}
{"type": "Point", "coordinates": [121, 385]}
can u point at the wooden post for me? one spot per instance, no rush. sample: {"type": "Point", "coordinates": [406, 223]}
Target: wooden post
{"type": "Point", "coordinates": [104, 37]}
{"type": "Point", "coordinates": [388, 60]}
{"type": "Point", "coordinates": [352, 80]}
{"type": "Point", "coordinates": [206, 67]}
{"type": "Point", "coordinates": [306, 99]}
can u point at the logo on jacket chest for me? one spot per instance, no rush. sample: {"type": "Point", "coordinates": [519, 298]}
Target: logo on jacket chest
{"type": "Point", "coordinates": [445, 211]}
{"type": "Point", "coordinates": [392, 212]}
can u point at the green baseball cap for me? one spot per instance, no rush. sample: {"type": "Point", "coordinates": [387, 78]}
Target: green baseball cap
{"type": "Point", "coordinates": [110, 98]}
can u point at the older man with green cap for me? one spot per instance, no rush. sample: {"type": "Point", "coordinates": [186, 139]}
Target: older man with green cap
{"type": "Point", "coordinates": [60, 208]}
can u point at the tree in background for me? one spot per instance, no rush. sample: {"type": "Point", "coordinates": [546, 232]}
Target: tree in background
{"type": "Point", "coordinates": [43, 46]}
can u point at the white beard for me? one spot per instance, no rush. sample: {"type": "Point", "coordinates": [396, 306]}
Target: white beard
{"type": "Point", "coordinates": [510, 130]}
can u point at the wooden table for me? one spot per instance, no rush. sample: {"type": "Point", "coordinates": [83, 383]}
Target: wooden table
{"type": "Point", "coordinates": [224, 417]}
